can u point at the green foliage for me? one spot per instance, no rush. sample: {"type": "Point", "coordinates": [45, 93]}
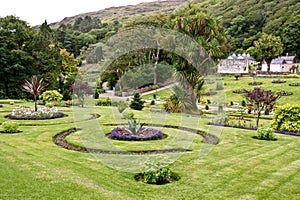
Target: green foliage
{"type": "Point", "coordinates": [287, 118]}
{"type": "Point", "coordinates": [134, 127]}
{"type": "Point", "coordinates": [128, 115]}
{"type": "Point", "coordinates": [265, 134]}
{"type": "Point", "coordinates": [122, 105]}
{"type": "Point", "coordinates": [9, 127]}
{"type": "Point", "coordinates": [137, 103]}
{"type": "Point", "coordinates": [152, 102]}
{"type": "Point", "coordinates": [103, 102]}
{"type": "Point", "coordinates": [172, 104]}
{"type": "Point", "coordinates": [156, 174]}
{"type": "Point", "coordinates": [268, 47]}
{"type": "Point", "coordinates": [49, 105]}
{"type": "Point", "coordinates": [51, 96]}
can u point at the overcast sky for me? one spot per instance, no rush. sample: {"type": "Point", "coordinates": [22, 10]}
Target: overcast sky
{"type": "Point", "coordinates": [35, 12]}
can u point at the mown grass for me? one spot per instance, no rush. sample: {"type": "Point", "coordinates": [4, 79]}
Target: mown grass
{"type": "Point", "coordinates": [239, 167]}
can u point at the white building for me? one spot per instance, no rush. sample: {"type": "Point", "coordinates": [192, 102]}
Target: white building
{"type": "Point", "coordinates": [283, 64]}
{"type": "Point", "coordinates": [236, 64]}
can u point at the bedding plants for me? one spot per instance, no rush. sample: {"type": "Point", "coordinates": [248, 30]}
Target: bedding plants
{"type": "Point", "coordinates": [22, 113]}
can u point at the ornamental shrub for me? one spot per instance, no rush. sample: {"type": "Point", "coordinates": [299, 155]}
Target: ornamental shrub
{"type": "Point", "coordinates": [287, 118]}
{"type": "Point", "coordinates": [137, 103]}
{"type": "Point", "coordinates": [128, 115]}
{"type": "Point", "coordinates": [51, 96]}
{"type": "Point", "coordinates": [156, 174]}
{"type": "Point", "coordinates": [265, 134]}
{"type": "Point", "coordinates": [10, 127]}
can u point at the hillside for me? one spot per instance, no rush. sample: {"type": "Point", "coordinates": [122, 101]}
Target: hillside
{"type": "Point", "coordinates": [123, 13]}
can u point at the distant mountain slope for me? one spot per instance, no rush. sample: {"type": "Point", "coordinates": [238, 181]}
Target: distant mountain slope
{"type": "Point", "coordinates": [122, 13]}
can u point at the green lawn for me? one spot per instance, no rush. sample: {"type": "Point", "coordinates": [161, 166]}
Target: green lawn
{"type": "Point", "coordinates": [239, 167]}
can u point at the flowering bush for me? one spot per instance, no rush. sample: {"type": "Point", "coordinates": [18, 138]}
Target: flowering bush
{"type": "Point", "coordinates": [30, 114]}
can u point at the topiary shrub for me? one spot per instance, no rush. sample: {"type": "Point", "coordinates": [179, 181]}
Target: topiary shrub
{"type": "Point", "coordinates": [10, 127]}
{"type": "Point", "coordinates": [152, 102]}
{"type": "Point", "coordinates": [51, 96]}
{"type": "Point", "coordinates": [137, 103]}
{"type": "Point", "coordinates": [287, 118]}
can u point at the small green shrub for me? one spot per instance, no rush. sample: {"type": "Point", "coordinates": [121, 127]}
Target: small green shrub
{"type": "Point", "coordinates": [152, 102]}
{"type": "Point", "coordinates": [154, 96]}
{"type": "Point", "coordinates": [265, 134]}
{"type": "Point", "coordinates": [103, 102]}
{"type": "Point", "coordinates": [244, 104]}
{"type": "Point", "coordinates": [157, 174]}
{"type": "Point", "coordinates": [128, 115]}
{"type": "Point", "coordinates": [10, 127]}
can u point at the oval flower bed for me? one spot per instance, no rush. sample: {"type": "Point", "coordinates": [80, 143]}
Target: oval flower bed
{"type": "Point", "coordinates": [294, 84]}
{"type": "Point", "coordinates": [23, 113]}
{"type": "Point", "coordinates": [255, 83]}
{"type": "Point", "coordinates": [143, 134]}
{"type": "Point", "coordinates": [278, 81]}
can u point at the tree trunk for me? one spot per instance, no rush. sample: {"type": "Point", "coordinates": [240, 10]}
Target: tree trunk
{"type": "Point", "coordinates": [35, 104]}
{"type": "Point", "coordinates": [155, 67]}
{"type": "Point", "coordinates": [257, 120]}
{"type": "Point", "coordinates": [269, 67]}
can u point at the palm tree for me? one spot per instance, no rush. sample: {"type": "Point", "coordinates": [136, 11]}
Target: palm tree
{"type": "Point", "coordinates": [35, 87]}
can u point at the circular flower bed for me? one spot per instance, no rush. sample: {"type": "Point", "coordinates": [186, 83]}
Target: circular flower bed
{"type": "Point", "coordinates": [285, 93]}
{"type": "Point", "coordinates": [239, 91]}
{"type": "Point", "coordinates": [23, 113]}
{"type": "Point", "coordinates": [294, 84]}
{"type": "Point", "coordinates": [255, 83]}
{"type": "Point", "coordinates": [143, 134]}
{"type": "Point", "coordinates": [278, 81]}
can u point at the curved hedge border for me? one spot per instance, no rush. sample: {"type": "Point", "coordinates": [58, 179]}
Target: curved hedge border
{"type": "Point", "coordinates": [56, 115]}
{"type": "Point", "coordinates": [60, 140]}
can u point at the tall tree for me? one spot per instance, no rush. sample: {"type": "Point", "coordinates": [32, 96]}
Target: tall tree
{"type": "Point", "coordinates": [16, 59]}
{"type": "Point", "coordinates": [268, 47]}
{"type": "Point", "coordinates": [47, 55]}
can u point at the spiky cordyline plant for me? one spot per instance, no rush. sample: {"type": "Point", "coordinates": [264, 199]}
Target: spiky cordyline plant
{"type": "Point", "coordinates": [35, 87]}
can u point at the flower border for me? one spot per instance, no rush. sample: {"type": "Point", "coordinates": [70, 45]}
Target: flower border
{"type": "Point", "coordinates": [54, 116]}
